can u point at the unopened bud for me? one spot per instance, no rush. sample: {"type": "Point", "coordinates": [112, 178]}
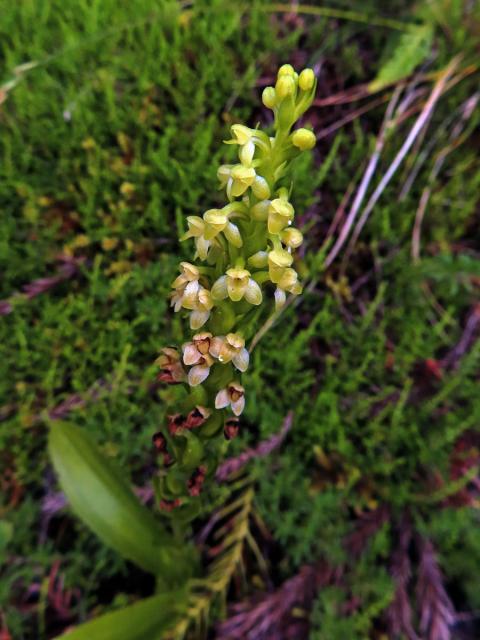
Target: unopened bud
{"type": "Point", "coordinates": [260, 210]}
{"type": "Point", "coordinates": [303, 139]}
{"type": "Point", "coordinates": [269, 97]}
{"type": "Point", "coordinates": [286, 70]}
{"type": "Point", "coordinates": [285, 86]}
{"type": "Point", "coordinates": [306, 80]}
{"type": "Point", "coordinates": [258, 260]}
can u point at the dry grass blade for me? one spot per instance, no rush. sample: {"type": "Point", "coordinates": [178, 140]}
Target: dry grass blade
{"type": "Point", "coordinates": [437, 614]}
{"type": "Point", "coordinates": [399, 613]}
{"type": "Point", "coordinates": [234, 465]}
{"type": "Point", "coordinates": [386, 125]}
{"type": "Point", "coordinates": [455, 140]}
{"type": "Point", "coordinates": [423, 118]}
{"type": "Point", "coordinates": [339, 14]}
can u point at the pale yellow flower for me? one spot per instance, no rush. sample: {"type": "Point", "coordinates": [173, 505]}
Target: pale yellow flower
{"type": "Point", "coordinates": [196, 230]}
{"type": "Point", "coordinates": [278, 261]}
{"type": "Point", "coordinates": [280, 215]}
{"type": "Point", "coordinates": [291, 237]}
{"type": "Point", "coordinates": [196, 355]}
{"type": "Point", "coordinates": [216, 221]}
{"type": "Point", "coordinates": [289, 282]}
{"type": "Point", "coordinates": [248, 139]}
{"type": "Point", "coordinates": [230, 348]}
{"type": "Point", "coordinates": [236, 178]}
{"type": "Point", "coordinates": [186, 287]}
{"type": "Point", "coordinates": [236, 284]}
{"type": "Point", "coordinates": [201, 310]}
{"type": "Point", "coordinates": [232, 396]}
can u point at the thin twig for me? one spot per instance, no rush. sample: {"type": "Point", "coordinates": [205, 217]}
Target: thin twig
{"type": "Point", "coordinates": [327, 131]}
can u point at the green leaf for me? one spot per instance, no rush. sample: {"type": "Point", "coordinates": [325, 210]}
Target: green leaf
{"type": "Point", "coordinates": [145, 620]}
{"type": "Point", "coordinates": [412, 48]}
{"type": "Point", "coordinates": [103, 499]}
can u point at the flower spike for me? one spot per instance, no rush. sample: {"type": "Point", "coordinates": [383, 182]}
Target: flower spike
{"type": "Point", "coordinates": [243, 269]}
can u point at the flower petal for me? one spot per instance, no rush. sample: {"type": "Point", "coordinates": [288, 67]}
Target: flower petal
{"type": "Point", "coordinates": [222, 399]}
{"type": "Point", "coordinates": [197, 375]}
{"type": "Point", "coordinates": [276, 223]}
{"type": "Point", "coordinates": [246, 153]}
{"type": "Point", "coordinates": [241, 360]}
{"type": "Point", "coordinates": [198, 319]}
{"type": "Point", "coordinates": [253, 293]}
{"type": "Point", "coordinates": [191, 354]}
{"type": "Point", "coordinates": [190, 295]}
{"type": "Point", "coordinates": [238, 406]}
{"type": "Point", "coordinates": [216, 345]}
{"type": "Point", "coordinates": [219, 289]}
{"type": "Point", "coordinates": [280, 298]}
{"type": "Point", "coordinates": [260, 188]}
{"type": "Point", "coordinates": [202, 245]}
{"type": "Point", "coordinates": [232, 234]}
{"type": "Point", "coordinates": [236, 288]}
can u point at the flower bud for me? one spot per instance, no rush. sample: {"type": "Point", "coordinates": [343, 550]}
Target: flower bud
{"type": "Point", "coordinates": [258, 260]}
{"type": "Point", "coordinates": [303, 139]}
{"type": "Point", "coordinates": [285, 86]}
{"type": "Point", "coordinates": [269, 97]}
{"type": "Point", "coordinates": [286, 70]}
{"type": "Point", "coordinates": [260, 210]}
{"type": "Point", "coordinates": [306, 80]}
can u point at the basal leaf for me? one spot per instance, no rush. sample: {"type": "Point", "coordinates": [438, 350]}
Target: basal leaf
{"type": "Point", "coordinates": [103, 499]}
{"type": "Point", "coordinates": [145, 620]}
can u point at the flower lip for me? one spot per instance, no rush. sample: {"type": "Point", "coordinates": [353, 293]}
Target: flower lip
{"type": "Point", "coordinates": [280, 258]}
{"type": "Point", "coordinates": [215, 217]}
{"type": "Point", "coordinates": [241, 133]}
{"type": "Point", "coordinates": [235, 340]}
{"type": "Point", "coordinates": [244, 174]}
{"type": "Point", "coordinates": [202, 342]}
{"type": "Point", "coordinates": [281, 207]}
{"type": "Point", "coordinates": [236, 391]}
{"type": "Point", "coordinates": [238, 273]}
{"type": "Point", "coordinates": [190, 271]}
{"type": "Point", "coordinates": [195, 225]}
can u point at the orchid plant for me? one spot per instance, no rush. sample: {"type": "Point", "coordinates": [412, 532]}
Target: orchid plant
{"type": "Point", "coordinates": [241, 271]}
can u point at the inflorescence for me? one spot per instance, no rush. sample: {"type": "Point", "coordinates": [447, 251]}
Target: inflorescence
{"type": "Point", "coordinates": [243, 269]}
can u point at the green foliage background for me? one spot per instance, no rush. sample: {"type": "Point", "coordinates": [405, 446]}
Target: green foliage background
{"type": "Point", "coordinates": [107, 143]}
